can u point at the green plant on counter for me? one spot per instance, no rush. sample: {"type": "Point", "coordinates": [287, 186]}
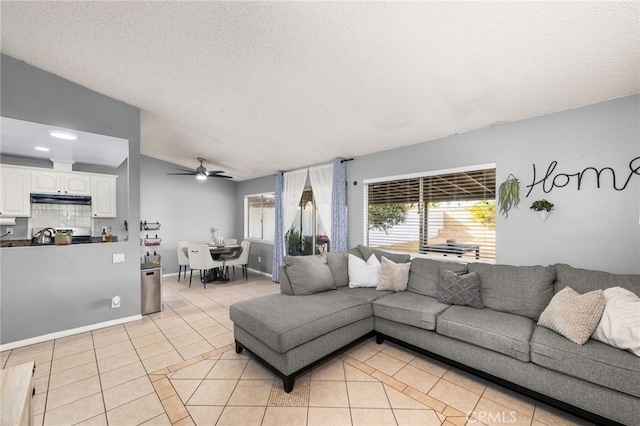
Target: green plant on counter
{"type": "Point", "coordinates": [213, 230]}
{"type": "Point", "coordinates": [509, 195]}
{"type": "Point", "coordinates": [541, 205]}
{"type": "Point", "coordinates": [67, 233]}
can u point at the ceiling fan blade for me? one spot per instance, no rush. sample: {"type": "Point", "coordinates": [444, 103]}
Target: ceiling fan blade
{"type": "Point", "coordinates": [223, 176]}
{"type": "Point", "coordinates": [182, 169]}
{"type": "Point", "coordinates": [214, 172]}
{"type": "Point", "coordinates": [183, 174]}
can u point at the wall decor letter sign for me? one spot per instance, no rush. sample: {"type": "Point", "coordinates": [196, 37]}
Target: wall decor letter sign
{"type": "Point", "coordinates": [559, 180]}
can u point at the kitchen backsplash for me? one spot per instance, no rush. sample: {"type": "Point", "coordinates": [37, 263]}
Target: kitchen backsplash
{"type": "Point", "coordinates": [60, 216]}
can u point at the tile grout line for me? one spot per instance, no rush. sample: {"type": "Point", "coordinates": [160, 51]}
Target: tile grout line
{"type": "Point", "coordinates": [161, 374]}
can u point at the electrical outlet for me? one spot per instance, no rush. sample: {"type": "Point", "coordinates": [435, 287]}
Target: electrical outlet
{"type": "Point", "coordinates": [115, 302]}
{"type": "Point", "coordinates": [118, 257]}
{"type": "Point", "coordinates": [259, 259]}
{"type": "Point", "coordinates": [9, 231]}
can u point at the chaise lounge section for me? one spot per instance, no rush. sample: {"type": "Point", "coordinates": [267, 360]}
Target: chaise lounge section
{"type": "Point", "coordinates": [317, 315]}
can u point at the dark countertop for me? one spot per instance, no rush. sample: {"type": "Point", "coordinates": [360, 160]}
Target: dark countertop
{"type": "Point", "coordinates": [27, 243]}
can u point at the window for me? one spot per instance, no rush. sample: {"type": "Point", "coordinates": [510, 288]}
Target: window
{"type": "Point", "coordinates": [260, 217]}
{"type": "Point", "coordinates": [306, 235]}
{"type": "Point", "coordinates": [449, 213]}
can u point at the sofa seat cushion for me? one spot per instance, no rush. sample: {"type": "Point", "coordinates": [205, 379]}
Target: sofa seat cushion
{"type": "Point", "coordinates": [409, 308]}
{"type": "Point", "coordinates": [594, 361]}
{"type": "Point", "coordinates": [284, 322]}
{"type": "Point", "coordinates": [498, 331]}
{"type": "Point", "coordinates": [366, 294]}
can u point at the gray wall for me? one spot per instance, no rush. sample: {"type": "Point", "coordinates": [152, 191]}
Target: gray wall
{"type": "Point", "coordinates": [52, 289]}
{"type": "Point", "coordinates": [261, 254]}
{"type": "Point", "coordinates": [185, 207]}
{"type": "Point", "coordinates": [590, 228]}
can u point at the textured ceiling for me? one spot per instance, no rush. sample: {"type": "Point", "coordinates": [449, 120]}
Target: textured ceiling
{"type": "Point", "coordinates": [256, 87]}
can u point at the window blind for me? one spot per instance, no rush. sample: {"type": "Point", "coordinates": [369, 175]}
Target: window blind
{"type": "Point", "coordinates": [261, 217]}
{"type": "Point", "coordinates": [418, 214]}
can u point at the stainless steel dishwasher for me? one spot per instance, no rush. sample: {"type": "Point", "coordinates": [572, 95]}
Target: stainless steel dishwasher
{"type": "Point", "coordinates": [150, 288]}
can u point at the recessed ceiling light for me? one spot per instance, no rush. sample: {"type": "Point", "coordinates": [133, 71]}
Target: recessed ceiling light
{"type": "Point", "coordinates": [63, 135]}
{"type": "Point", "coordinates": [41, 148]}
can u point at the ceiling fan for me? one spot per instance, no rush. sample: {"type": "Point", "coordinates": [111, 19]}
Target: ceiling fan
{"type": "Point", "coordinates": [201, 172]}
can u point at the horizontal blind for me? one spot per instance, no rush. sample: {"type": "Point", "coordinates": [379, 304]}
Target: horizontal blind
{"type": "Point", "coordinates": [413, 214]}
{"type": "Point", "coordinates": [261, 219]}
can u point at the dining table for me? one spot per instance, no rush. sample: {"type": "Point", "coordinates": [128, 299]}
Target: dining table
{"type": "Point", "coordinates": [216, 251]}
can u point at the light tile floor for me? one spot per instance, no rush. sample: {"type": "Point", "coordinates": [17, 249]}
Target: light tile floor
{"type": "Point", "coordinates": [178, 367]}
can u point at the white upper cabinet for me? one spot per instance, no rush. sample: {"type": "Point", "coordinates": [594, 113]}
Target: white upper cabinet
{"type": "Point", "coordinates": [103, 196]}
{"type": "Point", "coordinates": [76, 184]}
{"type": "Point", "coordinates": [52, 182]}
{"type": "Point", "coordinates": [15, 183]}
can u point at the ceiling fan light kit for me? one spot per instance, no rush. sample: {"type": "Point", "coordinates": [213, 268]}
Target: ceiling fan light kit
{"type": "Point", "coordinates": [201, 172]}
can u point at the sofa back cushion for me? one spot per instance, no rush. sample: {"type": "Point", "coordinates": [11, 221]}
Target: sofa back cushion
{"type": "Point", "coordinates": [585, 280]}
{"type": "Point", "coordinates": [285, 284]}
{"type": "Point", "coordinates": [394, 257]}
{"type": "Point", "coordinates": [308, 274]}
{"type": "Point", "coordinates": [520, 290]}
{"type": "Point", "coordinates": [338, 262]}
{"type": "Point", "coordinates": [424, 275]}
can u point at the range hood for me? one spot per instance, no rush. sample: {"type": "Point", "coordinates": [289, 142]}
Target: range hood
{"type": "Point", "coordinates": [81, 200]}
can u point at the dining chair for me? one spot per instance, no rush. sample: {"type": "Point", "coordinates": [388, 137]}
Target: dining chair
{"type": "Point", "coordinates": [231, 255]}
{"type": "Point", "coordinates": [200, 259]}
{"type": "Point", "coordinates": [183, 258]}
{"type": "Point", "coordinates": [242, 259]}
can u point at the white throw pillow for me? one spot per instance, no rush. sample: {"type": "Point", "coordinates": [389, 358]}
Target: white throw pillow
{"type": "Point", "coordinates": [363, 274]}
{"type": "Point", "coordinates": [620, 323]}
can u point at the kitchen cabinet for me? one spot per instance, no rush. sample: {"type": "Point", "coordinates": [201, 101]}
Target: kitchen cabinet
{"type": "Point", "coordinates": [52, 182]}
{"type": "Point", "coordinates": [15, 183]}
{"type": "Point", "coordinates": [103, 196]}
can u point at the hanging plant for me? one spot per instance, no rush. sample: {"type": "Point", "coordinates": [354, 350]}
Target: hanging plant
{"type": "Point", "coordinates": [509, 195]}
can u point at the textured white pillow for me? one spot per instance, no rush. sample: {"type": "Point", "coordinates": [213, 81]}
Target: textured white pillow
{"type": "Point", "coordinates": [620, 322]}
{"type": "Point", "coordinates": [393, 276]}
{"type": "Point", "coordinates": [573, 315]}
{"type": "Point", "coordinates": [363, 274]}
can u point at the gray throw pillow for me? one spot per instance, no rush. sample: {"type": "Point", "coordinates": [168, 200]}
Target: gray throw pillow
{"type": "Point", "coordinates": [309, 274]}
{"type": "Point", "coordinates": [460, 289]}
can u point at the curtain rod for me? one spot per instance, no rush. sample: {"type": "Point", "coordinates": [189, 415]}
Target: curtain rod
{"type": "Point", "coordinates": [344, 160]}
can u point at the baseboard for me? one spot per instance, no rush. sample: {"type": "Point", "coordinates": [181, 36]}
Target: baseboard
{"type": "Point", "coordinates": [65, 333]}
{"type": "Point", "coordinates": [255, 271]}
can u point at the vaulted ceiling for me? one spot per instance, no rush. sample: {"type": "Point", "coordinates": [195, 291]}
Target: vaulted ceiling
{"type": "Point", "coordinates": [256, 87]}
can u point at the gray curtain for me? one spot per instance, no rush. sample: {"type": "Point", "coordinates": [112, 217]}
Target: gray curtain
{"type": "Point", "coordinates": [278, 236]}
{"type": "Point", "coordinates": [338, 206]}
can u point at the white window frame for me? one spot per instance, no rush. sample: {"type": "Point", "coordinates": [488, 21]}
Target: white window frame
{"type": "Point", "coordinates": [246, 217]}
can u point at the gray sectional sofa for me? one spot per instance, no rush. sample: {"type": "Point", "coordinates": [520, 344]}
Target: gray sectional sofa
{"type": "Point", "coordinates": [315, 318]}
